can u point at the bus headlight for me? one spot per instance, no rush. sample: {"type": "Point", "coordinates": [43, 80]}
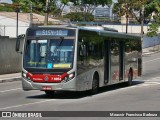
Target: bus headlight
{"type": "Point", "coordinates": [25, 76]}
{"type": "Point", "coordinates": [68, 77]}
{"type": "Point", "coordinates": [72, 75]}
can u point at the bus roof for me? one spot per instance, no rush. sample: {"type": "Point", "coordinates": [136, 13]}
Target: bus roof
{"type": "Point", "coordinates": [109, 32]}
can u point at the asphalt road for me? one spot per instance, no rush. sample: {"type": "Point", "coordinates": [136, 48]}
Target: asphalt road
{"type": "Point", "coordinates": [144, 95]}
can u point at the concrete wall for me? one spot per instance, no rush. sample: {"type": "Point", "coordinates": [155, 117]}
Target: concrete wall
{"type": "Point", "coordinates": [134, 29]}
{"type": "Point", "coordinates": [8, 26]}
{"type": "Point", "coordinates": [10, 60]}
{"type": "Point", "coordinates": [150, 41]}
{"type": "Point", "coordinates": [11, 30]}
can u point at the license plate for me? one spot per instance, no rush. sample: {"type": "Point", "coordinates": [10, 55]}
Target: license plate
{"type": "Point", "coordinates": [46, 88]}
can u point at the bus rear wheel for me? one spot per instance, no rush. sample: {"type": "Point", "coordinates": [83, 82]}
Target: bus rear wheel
{"type": "Point", "coordinates": [95, 86]}
{"type": "Point", "coordinates": [49, 93]}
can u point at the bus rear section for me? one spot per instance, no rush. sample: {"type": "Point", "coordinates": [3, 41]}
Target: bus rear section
{"type": "Point", "coordinates": [48, 59]}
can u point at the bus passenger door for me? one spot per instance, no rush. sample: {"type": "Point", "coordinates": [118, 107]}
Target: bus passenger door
{"type": "Point", "coordinates": [121, 60]}
{"type": "Point", "coordinates": [106, 61]}
{"type": "Point", "coordinates": [115, 62]}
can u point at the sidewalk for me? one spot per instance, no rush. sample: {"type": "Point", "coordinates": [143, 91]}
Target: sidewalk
{"type": "Point", "coordinates": [151, 50]}
{"type": "Point", "coordinates": [10, 77]}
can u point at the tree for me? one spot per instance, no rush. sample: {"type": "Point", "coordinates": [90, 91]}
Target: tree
{"type": "Point", "coordinates": [55, 7]}
{"type": "Point", "coordinates": [140, 10]}
{"type": "Point", "coordinates": [78, 16]}
{"type": "Point", "coordinates": [154, 26]}
{"type": "Point", "coordinates": [5, 7]}
{"type": "Point", "coordinates": [132, 8]}
{"type": "Point", "coordinates": [88, 6]}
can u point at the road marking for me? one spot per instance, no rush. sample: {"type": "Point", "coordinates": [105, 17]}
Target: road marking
{"type": "Point", "coordinates": [10, 90]}
{"type": "Point", "coordinates": [152, 60]}
{"type": "Point", "coordinates": [148, 84]}
{"type": "Point", "coordinates": [155, 78]}
{"type": "Point", "coordinates": [10, 78]}
{"type": "Point", "coordinates": [26, 104]}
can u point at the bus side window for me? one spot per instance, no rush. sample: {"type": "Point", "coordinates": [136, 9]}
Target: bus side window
{"type": "Point", "coordinates": [82, 49]}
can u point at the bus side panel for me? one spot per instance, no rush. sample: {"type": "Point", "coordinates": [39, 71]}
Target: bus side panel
{"type": "Point", "coordinates": [133, 57]}
{"type": "Point", "coordinates": [127, 57]}
{"type": "Point", "coordinates": [90, 59]}
{"type": "Point", "coordinates": [115, 63]}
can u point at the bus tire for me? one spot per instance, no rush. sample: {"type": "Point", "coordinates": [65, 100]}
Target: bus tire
{"type": "Point", "coordinates": [130, 78]}
{"type": "Point", "coordinates": [49, 93]}
{"type": "Point", "coordinates": [95, 85]}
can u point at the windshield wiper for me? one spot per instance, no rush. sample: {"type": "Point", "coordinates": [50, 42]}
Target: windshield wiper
{"type": "Point", "coordinates": [62, 38]}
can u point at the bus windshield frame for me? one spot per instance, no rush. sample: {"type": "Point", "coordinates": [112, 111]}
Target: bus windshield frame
{"type": "Point", "coordinates": [49, 48]}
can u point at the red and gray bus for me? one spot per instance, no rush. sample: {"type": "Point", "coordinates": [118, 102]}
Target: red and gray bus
{"type": "Point", "coordinates": [78, 59]}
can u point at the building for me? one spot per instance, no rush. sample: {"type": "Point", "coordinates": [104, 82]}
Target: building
{"type": "Point", "coordinates": [101, 12]}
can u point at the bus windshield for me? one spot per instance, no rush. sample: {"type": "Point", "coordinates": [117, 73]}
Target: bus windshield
{"type": "Point", "coordinates": [49, 54]}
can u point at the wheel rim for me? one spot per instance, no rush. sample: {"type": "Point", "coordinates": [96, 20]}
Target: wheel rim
{"type": "Point", "coordinates": [95, 86]}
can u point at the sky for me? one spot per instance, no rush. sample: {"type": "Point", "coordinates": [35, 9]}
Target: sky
{"type": "Point", "coordinates": [6, 1]}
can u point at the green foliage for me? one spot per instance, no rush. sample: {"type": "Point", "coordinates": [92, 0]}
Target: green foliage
{"type": "Point", "coordinates": [87, 7]}
{"type": "Point", "coordinates": [6, 9]}
{"type": "Point", "coordinates": [154, 26]}
{"type": "Point", "coordinates": [132, 8]}
{"type": "Point", "coordinates": [79, 16]}
{"type": "Point", "coordinates": [91, 2]}
{"type": "Point", "coordinates": [56, 7]}
{"type": "Point", "coordinates": [38, 5]}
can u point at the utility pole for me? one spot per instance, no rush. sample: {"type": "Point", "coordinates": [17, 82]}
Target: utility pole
{"type": "Point", "coordinates": [127, 23]}
{"type": "Point", "coordinates": [31, 15]}
{"type": "Point", "coordinates": [142, 23]}
{"type": "Point", "coordinates": [17, 11]}
{"type": "Point", "coordinates": [127, 16]}
{"type": "Point", "coordinates": [46, 14]}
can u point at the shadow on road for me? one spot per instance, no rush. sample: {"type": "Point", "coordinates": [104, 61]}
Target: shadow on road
{"type": "Point", "coordinates": [77, 95]}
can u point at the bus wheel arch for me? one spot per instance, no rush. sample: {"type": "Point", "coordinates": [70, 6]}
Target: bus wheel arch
{"type": "Point", "coordinates": [95, 83]}
{"type": "Point", "coordinates": [130, 77]}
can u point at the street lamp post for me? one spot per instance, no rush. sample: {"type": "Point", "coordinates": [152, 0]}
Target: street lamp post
{"type": "Point", "coordinates": [46, 14]}
{"type": "Point", "coordinates": [142, 23]}
{"type": "Point", "coordinates": [127, 23]}
{"type": "Point", "coordinates": [17, 11]}
{"type": "Point", "coordinates": [31, 15]}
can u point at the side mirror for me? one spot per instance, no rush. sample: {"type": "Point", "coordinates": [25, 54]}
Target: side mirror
{"type": "Point", "coordinates": [18, 42]}
{"type": "Point", "coordinates": [17, 45]}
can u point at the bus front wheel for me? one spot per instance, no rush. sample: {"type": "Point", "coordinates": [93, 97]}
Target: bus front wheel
{"type": "Point", "coordinates": [49, 93]}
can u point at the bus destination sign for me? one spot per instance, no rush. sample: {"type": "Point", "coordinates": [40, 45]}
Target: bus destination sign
{"type": "Point", "coordinates": [52, 32]}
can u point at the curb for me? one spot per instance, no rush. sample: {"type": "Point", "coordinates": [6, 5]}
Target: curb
{"type": "Point", "coordinates": [149, 53]}
{"type": "Point", "coordinates": [10, 79]}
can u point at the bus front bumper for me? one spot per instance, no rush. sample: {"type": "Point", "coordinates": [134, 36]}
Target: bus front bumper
{"type": "Point", "coordinates": [68, 86]}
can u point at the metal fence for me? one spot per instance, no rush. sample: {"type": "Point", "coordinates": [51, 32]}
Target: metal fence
{"type": "Point", "coordinates": [11, 30]}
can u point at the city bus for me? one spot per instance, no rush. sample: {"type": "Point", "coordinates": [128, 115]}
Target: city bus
{"type": "Point", "coordinates": [78, 59]}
